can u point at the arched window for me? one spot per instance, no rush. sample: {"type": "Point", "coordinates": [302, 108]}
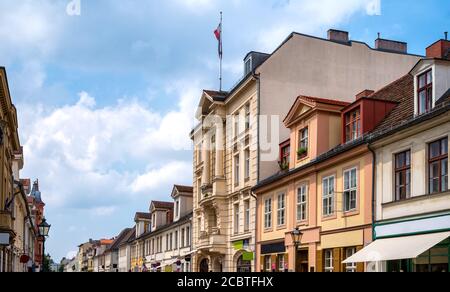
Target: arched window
{"type": "Point", "coordinates": [243, 266]}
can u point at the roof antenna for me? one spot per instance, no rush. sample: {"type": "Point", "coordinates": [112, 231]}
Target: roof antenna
{"type": "Point", "coordinates": [379, 35]}
{"type": "Point", "coordinates": [446, 35]}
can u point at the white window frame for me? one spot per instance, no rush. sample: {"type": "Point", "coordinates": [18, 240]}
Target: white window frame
{"type": "Point", "coordinates": [268, 263]}
{"type": "Point", "coordinates": [350, 267]}
{"type": "Point", "coordinates": [268, 213]}
{"type": "Point", "coordinates": [236, 218]}
{"type": "Point", "coordinates": [304, 138]}
{"type": "Point", "coordinates": [237, 170]}
{"type": "Point", "coordinates": [281, 210]}
{"type": "Point", "coordinates": [281, 262]}
{"type": "Point", "coordinates": [247, 215]}
{"type": "Point", "coordinates": [328, 196]}
{"type": "Point", "coordinates": [247, 163]}
{"type": "Point", "coordinates": [188, 236]}
{"type": "Point", "coordinates": [302, 203]}
{"type": "Point", "coordinates": [247, 116]}
{"type": "Point", "coordinates": [329, 261]}
{"type": "Point", "coordinates": [350, 190]}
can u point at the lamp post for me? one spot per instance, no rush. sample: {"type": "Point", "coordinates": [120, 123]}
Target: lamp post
{"type": "Point", "coordinates": [44, 229]}
{"type": "Point", "coordinates": [297, 240]}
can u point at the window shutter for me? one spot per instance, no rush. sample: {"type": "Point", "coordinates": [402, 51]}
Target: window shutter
{"type": "Point", "coordinates": [319, 261]}
{"type": "Point", "coordinates": [360, 266]}
{"type": "Point", "coordinates": [337, 260]}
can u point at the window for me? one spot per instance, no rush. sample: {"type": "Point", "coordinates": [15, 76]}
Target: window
{"type": "Point", "coordinates": [236, 219]}
{"type": "Point", "coordinates": [281, 263]}
{"type": "Point", "coordinates": [350, 189]}
{"type": "Point", "coordinates": [248, 66]}
{"type": "Point", "coordinates": [154, 221]}
{"type": "Point", "coordinates": [247, 164]}
{"type": "Point", "coordinates": [328, 261]}
{"type": "Point", "coordinates": [176, 240]}
{"type": "Point", "coordinates": [302, 204]}
{"type": "Point", "coordinates": [268, 214]}
{"type": "Point", "coordinates": [281, 212]}
{"type": "Point", "coordinates": [246, 216]}
{"type": "Point", "coordinates": [182, 238]}
{"type": "Point", "coordinates": [353, 125]}
{"type": "Point", "coordinates": [303, 143]}
{"type": "Point", "coordinates": [236, 170]}
{"type": "Point", "coordinates": [285, 154]}
{"type": "Point", "coordinates": [268, 263]}
{"type": "Point", "coordinates": [213, 156]}
{"type": "Point", "coordinates": [177, 209]}
{"type": "Point", "coordinates": [247, 116]}
{"type": "Point", "coordinates": [167, 242]}
{"type": "Point", "coordinates": [236, 125]}
{"type": "Point", "coordinates": [153, 246]}
{"type": "Point", "coordinates": [425, 92]}
{"type": "Point", "coordinates": [438, 166]}
{"type": "Point", "coordinates": [188, 236]}
{"type": "Point", "coordinates": [403, 176]}
{"type": "Point", "coordinates": [328, 196]}
{"type": "Point", "coordinates": [351, 267]}
{"type": "Point", "coordinates": [243, 266]}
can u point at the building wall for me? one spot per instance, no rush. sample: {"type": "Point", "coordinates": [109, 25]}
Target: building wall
{"type": "Point", "coordinates": [418, 144]}
{"type": "Point", "coordinates": [315, 67]}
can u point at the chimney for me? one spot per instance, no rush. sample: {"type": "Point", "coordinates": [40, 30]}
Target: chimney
{"type": "Point", "coordinates": [339, 36]}
{"type": "Point", "coordinates": [390, 45]}
{"type": "Point", "coordinates": [440, 49]}
{"type": "Point", "coordinates": [364, 93]}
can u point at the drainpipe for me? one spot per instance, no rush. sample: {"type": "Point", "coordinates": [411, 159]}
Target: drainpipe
{"type": "Point", "coordinates": [258, 164]}
{"type": "Point", "coordinates": [374, 161]}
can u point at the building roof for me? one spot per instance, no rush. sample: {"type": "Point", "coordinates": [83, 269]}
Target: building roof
{"type": "Point", "coordinates": [401, 91]}
{"type": "Point", "coordinates": [324, 100]}
{"type": "Point", "coordinates": [142, 215]}
{"type": "Point", "coordinates": [216, 95]}
{"type": "Point", "coordinates": [123, 236]}
{"type": "Point", "coordinates": [168, 226]}
{"type": "Point", "coordinates": [184, 189]}
{"type": "Point", "coordinates": [163, 205]}
{"type": "Point", "coordinates": [130, 236]}
{"type": "Point", "coordinates": [36, 193]}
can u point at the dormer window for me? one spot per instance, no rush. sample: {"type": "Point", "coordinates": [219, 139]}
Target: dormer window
{"type": "Point", "coordinates": [285, 154]}
{"type": "Point", "coordinates": [425, 92]}
{"type": "Point", "coordinates": [303, 143]}
{"type": "Point", "coordinates": [353, 125]}
{"type": "Point", "coordinates": [248, 66]}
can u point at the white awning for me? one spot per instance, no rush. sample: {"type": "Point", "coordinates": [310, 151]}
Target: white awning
{"type": "Point", "coordinates": [400, 248]}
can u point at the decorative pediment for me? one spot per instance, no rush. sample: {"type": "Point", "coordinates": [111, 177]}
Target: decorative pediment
{"type": "Point", "coordinates": [304, 105]}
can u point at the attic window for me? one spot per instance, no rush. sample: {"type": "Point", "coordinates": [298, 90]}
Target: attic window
{"type": "Point", "coordinates": [248, 66]}
{"type": "Point", "coordinates": [353, 125]}
{"type": "Point", "coordinates": [425, 92]}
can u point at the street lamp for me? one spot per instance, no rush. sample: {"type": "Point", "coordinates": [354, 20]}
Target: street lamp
{"type": "Point", "coordinates": [297, 240]}
{"type": "Point", "coordinates": [44, 229]}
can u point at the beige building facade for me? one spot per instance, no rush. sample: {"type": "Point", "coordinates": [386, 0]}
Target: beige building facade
{"type": "Point", "coordinates": [237, 140]}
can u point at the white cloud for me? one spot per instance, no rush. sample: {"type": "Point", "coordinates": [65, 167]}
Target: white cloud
{"type": "Point", "coordinates": [94, 158]}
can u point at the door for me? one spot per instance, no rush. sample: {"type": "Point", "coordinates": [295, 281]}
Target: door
{"type": "Point", "coordinates": [302, 264]}
{"type": "Point", "coordinates": [204, 266]}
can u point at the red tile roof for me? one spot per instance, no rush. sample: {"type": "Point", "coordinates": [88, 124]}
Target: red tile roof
{"type": "Point", "coordinates": [184, 189]}
{"type": "Point", "coordinates": [401, 91]}
{"type": "Point", "coordinates": [140, 215]}
{"type": "Point", "coordinates": [163, 205]}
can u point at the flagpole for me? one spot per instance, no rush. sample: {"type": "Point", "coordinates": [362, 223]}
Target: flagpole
{"type": "Point", "coordinates": [221, 48]}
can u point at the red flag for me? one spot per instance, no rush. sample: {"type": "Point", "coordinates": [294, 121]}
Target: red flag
{"type": "Point", "coordinates": [218, 34]}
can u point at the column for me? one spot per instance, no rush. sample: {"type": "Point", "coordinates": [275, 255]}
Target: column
{"type": "Point", "coordinates": [206, 161]}
{"type": "Point", "coordinates": [220, 147]}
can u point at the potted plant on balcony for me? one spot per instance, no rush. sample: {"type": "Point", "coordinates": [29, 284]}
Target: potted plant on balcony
{"type": "Point", "coordinates": [302, 152]}
{"type": "Point", "coordinates": [284, 166]}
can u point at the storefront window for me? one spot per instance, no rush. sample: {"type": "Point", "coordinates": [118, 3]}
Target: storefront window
{"type": "Point", "coordinates": [435, 260]}
{"type": "Point", "coordinates": [267, 264]}
{"type": "Point", "coordinates": [329, 261]}
{"type": "Point", "coordinates": [243, 266]}
{"type": "Point", "coordinates": [281, 263]}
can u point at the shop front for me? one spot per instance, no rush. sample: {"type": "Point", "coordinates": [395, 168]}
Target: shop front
{"type": "Point", "coordinates": [274, 257]}
{"type": "Point", "coordinates": [419, 244]}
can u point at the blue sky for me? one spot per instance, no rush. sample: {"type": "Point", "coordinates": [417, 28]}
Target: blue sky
{"type": "Point", "coordinates": [98, 93]}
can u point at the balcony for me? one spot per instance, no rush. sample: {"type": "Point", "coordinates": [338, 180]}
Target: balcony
{"type": "Point", "coordinates": [5, 221]}
{"type": "Point", "coordinates": [212, 240]}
